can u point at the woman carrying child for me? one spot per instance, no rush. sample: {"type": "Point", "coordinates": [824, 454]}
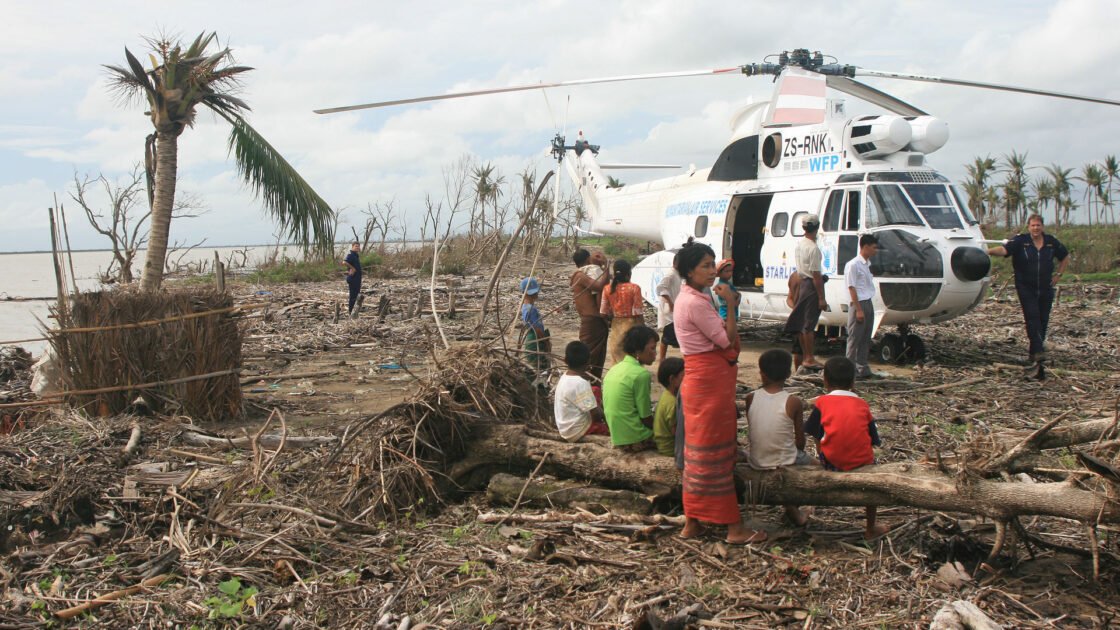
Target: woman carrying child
{"type": "Point", "coordinates": [622, 301]}
{"type": "Point", "coordinates": [711, 350]}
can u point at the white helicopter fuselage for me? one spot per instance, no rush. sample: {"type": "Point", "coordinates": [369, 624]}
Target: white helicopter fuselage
{"type": "Point", "coordinates": [858, 175]}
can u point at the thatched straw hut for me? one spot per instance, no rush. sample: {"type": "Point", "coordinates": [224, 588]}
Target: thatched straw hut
{"type": "Point", "coordinates": [180, 362]}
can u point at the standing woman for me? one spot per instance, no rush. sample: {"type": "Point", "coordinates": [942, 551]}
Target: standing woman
{"type": "Point", "coordinates": [622, 301]}
{"type": "Point", "coordinates": [1032, 256]}
{"type": "Point", "coordinates": [711, 351]}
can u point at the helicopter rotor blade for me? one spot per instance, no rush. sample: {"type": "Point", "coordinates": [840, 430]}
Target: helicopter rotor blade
{"type": "Point", "coordinates": [871, 95]}
{"type": "Point", "coordinates": [979, 84]}
{"type": "Point", "coordinates": [532, 86]}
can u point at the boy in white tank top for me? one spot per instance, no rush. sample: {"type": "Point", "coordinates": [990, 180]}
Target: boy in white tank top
{"type": "Point", "coordinates": [777, 436]}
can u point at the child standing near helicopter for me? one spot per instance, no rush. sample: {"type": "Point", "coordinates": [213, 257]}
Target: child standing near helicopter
{"type": "Point", "coordinates": [622, 302]}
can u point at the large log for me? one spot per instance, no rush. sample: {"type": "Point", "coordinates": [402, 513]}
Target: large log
{"type": "Point", "coordinates": [505, 489]}
{"type": "Point", "coordinates": [511, 447]}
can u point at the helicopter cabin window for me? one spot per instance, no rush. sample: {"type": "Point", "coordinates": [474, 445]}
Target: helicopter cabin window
{"type": "Point", "coordinates": [935, 204]}
{"type": "Point", "coordinates": [779, 225]}
{"type": "Point", "coordinates": [795, 225]}
{"type": "Point", "coordinates": [832, 211]}
{"type": "Point", "coordinates": [701, 226]}
{"type": "Point", "coordinates": [887, 205]}
{"type": "Point", "coordinates": [965, 211]}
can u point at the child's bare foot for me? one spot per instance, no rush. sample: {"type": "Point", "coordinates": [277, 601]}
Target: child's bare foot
{"type": "Point", "coordinates": [692, 529]}
{"type": "Point", "coordinates": [874, 531]}
{"type": "Point", "coordinates": [738, 534]}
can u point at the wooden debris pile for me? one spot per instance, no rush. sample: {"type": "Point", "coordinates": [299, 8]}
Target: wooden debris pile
{"type": "Point", "coordinates": [130, 337]}
{"type": "Point", "coordinates": [394, 463]}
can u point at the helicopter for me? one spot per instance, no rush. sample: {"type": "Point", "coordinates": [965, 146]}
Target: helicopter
{"type": "Point", "coordinates": [800, 154]}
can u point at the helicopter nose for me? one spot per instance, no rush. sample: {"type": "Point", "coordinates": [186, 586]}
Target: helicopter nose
{"type": "Point", "coordinates": [970, 263]}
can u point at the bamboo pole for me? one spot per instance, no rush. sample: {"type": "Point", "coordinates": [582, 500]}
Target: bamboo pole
{"type": "Point", "coordinates": [60, 284]}
{"type": "Point", "coordinates": [60, 398]}
{"type": "Point", "coordinates": [143, 324]}
{"type": "Point", "coordinates": [69, 254]}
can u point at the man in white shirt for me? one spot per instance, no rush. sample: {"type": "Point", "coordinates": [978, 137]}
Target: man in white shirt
{"type": "Point", "coordinates": [667, 291]}
{"type": "Point", "coordinates": [861, 314]}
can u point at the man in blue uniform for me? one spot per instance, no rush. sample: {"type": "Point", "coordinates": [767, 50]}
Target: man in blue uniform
{"type": "Point", "coordinates": [353, 264]}
{"type": "Point", "coordinates": [1032, 256]}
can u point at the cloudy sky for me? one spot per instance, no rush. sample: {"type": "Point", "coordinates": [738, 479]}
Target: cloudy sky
{"type": "Point", "coordinates": [57, 118]}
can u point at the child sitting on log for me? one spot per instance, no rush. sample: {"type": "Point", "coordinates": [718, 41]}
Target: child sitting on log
{"type": "Point", "coordinates": [841, 423]}
{"type": "Point", "coordinates": [670, 374]}
{"type": "Point", "coordinates": [777, 437]}
{"type": "Point", "coordinates": [576, 409]}
{"type": "Point", "coordinates": [626, 392]}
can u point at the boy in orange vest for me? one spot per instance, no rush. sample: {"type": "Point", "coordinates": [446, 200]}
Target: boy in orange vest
{"type": "Point", "coordinates": [842, 424]}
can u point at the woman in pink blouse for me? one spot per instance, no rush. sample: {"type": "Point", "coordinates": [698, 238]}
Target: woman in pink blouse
{"type": "Point", "coordinates": [710, 346]}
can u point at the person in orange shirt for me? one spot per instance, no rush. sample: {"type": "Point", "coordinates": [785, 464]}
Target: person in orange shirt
{"type": "Point", "coordinates": [622, 302]}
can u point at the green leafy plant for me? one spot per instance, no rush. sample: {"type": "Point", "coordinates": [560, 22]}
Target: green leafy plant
{"type": "Point", "coordinates": [232, 601]}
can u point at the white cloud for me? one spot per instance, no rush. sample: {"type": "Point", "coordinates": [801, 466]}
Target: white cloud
{"type": "Point", "coordinates": [352, 52]}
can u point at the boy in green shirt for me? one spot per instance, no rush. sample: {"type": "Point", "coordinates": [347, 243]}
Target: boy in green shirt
{"type": "Point", "coordinates": [626, 392]}
{"type": "Point", "coordinates": [670, 374]}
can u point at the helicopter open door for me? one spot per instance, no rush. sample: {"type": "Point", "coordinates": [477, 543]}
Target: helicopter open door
{"type": "Point", "coordinates": [744, 236]}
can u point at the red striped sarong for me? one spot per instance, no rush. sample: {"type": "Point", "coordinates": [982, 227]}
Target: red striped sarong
{"type": "Point", "coordinates": [710, 448]}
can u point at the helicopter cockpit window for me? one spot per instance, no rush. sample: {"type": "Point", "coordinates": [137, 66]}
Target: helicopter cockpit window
{"type": "Point", "coordinates": [832, 211]}
{"type": "Point", "coordinates": [965, 212]}
{"type": "Point", "coordinates": [851, 219]}
{"type": "Point", "coordinates": [701, 226]}
{"type": "Point", "coordinates": [779, 224]}
{"type": "Point", "coordinates": [887, 205]}
{"type": "Point", "coordinates": [935, 204]}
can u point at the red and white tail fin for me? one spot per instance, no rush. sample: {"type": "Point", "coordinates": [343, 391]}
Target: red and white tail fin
{"type": "Point", "coordinates": [799, 99]}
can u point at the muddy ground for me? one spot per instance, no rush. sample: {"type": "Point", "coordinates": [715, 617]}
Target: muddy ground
{"type": "Point", "coordinates": [451, 566]}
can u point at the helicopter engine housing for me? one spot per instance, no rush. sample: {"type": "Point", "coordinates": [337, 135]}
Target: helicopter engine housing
{"type": "Point", "coordinates": [876, 136]}
{"type": "Point", "coordinates": [928, 134]}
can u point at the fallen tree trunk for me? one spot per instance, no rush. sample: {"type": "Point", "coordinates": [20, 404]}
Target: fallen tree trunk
{"type": "Point", "coordinates": [497, 447]}
{"type": "Point", "coordinates": [506, 489]}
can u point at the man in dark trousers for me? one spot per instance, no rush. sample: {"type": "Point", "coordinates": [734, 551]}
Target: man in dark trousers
{"type": "Point", "coordinates": [353, 264]}
{"type": "Point", "coordinates": [587, 285]}
{"type": "Point", "coordinates": [1032, 256]}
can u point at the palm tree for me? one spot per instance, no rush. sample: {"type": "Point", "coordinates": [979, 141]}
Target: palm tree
{"type": "Point", "coordinates": [1061, 186]}
{"type": "Point", "coordinates": [177, 83]}
{"type": "Point", "coordinates": [1093, 177]}
{"type": "Point", "coordinates": [484, 189]}
{"type": "Point", "coordinates": [1015, 187]}
{"type": "Point", "coordinates": [614, 182]}
{"type": "Point", "coordinates": [977, 186]}
{"type": "Point", "coordinates": [1043, 194]}
{"type": "Point", "coordinates": [1112, 171]}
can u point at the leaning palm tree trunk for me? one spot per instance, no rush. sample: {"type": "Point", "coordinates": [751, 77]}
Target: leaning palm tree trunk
{"type": "Point", "coordinates": [167, 151]}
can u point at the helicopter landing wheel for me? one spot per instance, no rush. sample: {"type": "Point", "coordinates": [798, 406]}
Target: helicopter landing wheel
{"type": "Point", "coordinates": [891, 348]}
{"type": "Point", "coordinates": [914, 349]}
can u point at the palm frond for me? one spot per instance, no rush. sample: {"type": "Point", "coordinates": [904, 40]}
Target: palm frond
{"type": "Point", "coordinates": [300, 211]}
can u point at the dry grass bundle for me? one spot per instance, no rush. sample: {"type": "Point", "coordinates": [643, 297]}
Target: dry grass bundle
{"type": "Point", "coordinates": [166, 351]}
{"type": "Point", "coordinates": [391, 464]}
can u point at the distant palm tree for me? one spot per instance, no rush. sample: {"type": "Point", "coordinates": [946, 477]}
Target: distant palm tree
{"type": "Point", "coordinates": [1094, 180]}
{"type": "Point", "coordinates": [1043, 194]}
{"type": "Point", "coordinates": [977, 186]}
{"type": "Point", "coordinates": [177, 83]}
{"type": "Point", "coordinates": [1060, 182]}
{"type": "Point", "coordinates": [1015, 187]}
{"type": "Point", "coordinates": [1112, 171]}
{"type": "Point", "coordinates": [614, 182]}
